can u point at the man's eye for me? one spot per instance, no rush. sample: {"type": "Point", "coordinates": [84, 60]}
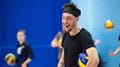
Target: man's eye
{"type": "Point", "coordinates": [68, 18]}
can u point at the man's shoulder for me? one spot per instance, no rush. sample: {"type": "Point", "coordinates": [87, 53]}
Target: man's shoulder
{"type": "Point", "coordinates": [27, 45]}
{"type": "Point", "coordinates": [84, 32]}
{"type": "Point", "coordinates": [65, 34]}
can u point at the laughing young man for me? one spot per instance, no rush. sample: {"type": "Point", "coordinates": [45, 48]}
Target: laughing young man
{"type": "Point", "coordinates": [76, 40]}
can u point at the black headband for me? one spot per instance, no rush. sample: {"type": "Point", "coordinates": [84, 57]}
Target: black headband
{"type": "Point", "coordinates": [76, 12]}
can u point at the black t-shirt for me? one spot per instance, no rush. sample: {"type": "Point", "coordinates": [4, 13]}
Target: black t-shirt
{"type": "Point", "coordinates": [73, 45]}
{"type": "Point", "coordinates": [24, 51]}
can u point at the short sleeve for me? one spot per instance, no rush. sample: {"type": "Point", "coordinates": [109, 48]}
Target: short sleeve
{"type": "Point", "coordinates": [86, 41]}
{"type": "Point", "coordinates": [30, 52]}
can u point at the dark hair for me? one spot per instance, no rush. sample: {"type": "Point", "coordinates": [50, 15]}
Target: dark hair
{"type": "Point", "coordinates": [22, 30]}
{"type": "Point", "coordinates": [71, 8]}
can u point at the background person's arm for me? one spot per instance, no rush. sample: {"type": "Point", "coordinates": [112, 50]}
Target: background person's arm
{"type": "Point", "coordinates": [115, 52]}
{"type": "Point", "coordinates": [61, 61]}
{"type": "Point", "coordinates": [56, 42]}
{"type": "Point", "coordinates": [26, 62]}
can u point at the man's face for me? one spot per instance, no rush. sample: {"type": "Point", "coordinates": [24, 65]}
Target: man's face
{"type": "Point", "coordinates": [20, 37]}
{"type": "Point", "coordinates": [68, 21]}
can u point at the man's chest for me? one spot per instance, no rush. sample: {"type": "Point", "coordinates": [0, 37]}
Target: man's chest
{"type": "Point", "coordinates": [72, 44]}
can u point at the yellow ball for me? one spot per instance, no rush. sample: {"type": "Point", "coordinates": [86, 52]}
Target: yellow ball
{"type": "Point", "coordinates": [81, 64]}
{"type": "Point", "coordinates": [109, 24]}
{"type": "Point", "coordinates": [83, 59]}
{"type": "Point", "coordinates": [10, 59]}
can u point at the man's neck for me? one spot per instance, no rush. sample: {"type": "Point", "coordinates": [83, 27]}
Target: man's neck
{"type": "Point", "coordinates": [74, 31]}
{"type": "Point", "coordinates": [21, 43]}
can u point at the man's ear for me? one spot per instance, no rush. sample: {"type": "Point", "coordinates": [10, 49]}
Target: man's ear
{"type": "Point", "coordinates": [77, 18]}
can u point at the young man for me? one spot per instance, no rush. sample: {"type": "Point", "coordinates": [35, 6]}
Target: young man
{"type": "Point", "coordinates": [76, 40]}
{"type": "Point", "coordinates": [24, 51]}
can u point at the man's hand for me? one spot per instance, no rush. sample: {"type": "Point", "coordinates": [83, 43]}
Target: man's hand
{"type": "Point", "coordinates": [111, 53]}
{"type": "Point", "coordinates": [24, 65]}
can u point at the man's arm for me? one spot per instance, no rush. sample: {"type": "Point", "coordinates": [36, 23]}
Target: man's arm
{"type": "Point", "coordinates": [30, 56]}
{"type": "Point", "coordinates": [61, 61]}
{"type": "Point", "coordinates": [56, 42]}
{"type": "Point", "coordinates": [26, 62]}
{"type": "Point", "coordinates": [93, 60]}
